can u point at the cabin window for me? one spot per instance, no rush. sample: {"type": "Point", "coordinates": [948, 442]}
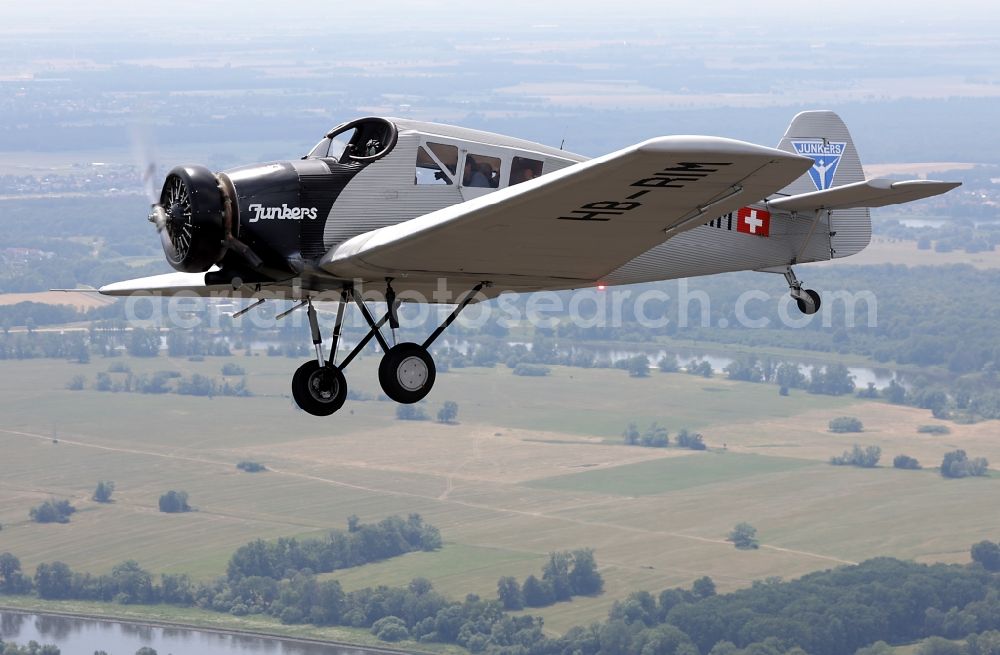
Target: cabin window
{"type": "Point", "coordinates": [481, 171]}
{"type": "Point", "coordinates": [437, 163]}
{"type": "Point", "coordinates": [523, 169]}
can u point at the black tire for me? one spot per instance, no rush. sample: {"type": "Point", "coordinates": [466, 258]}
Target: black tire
{"type": "Point", "coordinates": [319, 390]}
{"type": "Point", "coordinates": [804, 307]}
{"type": "Point", "coordinates": [407, 373]}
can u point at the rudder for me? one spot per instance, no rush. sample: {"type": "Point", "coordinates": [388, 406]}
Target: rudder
{"type": "Point", "coordinates": [823, 136]}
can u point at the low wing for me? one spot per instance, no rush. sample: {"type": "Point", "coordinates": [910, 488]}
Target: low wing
{"type": "Point", "coordinates": [869, 193]}
{"type": "Point", "coordinates": [167, 284]}
{"type": "Point", "coordinates": [211, 284]}
{"type": "Point", "coordinates": [574, 225]}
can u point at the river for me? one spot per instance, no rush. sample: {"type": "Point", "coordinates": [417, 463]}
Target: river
{"type": "Point", "coordinates": [77, 636]}
{"type": "Point", "coordinates": [863, 375]}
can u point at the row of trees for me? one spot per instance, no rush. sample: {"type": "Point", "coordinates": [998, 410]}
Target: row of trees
{"type": "Point", "coordinates": [970, 397]}
{"type": "Point", "coordinates": [864, 457]}
{"type": "Point", "coordinates": [955, 464]}
{"type": "Point", "coordinates": [833, 380]}
{"type": "Point", "coordinates": [565, 575]}
{"type": "Point", "coordinates": [137, 342]}
{"type": "Point", "coordinates": [447, 413]}
{"type": "Point", "coordinates": [163, 382]}
{"type": "Point", "coordinates": [657, 436]}
{"type": "Point", "coordinates": [359, 544]}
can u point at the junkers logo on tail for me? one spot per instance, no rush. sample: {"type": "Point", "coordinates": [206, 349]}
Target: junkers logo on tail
{"type": "Point", "coordinates": [826, 155]}
{"type": "Point", "coordinates": [283, 213]}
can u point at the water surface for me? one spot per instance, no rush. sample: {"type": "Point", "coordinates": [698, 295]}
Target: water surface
{"type": "Point", "coordinates": [76, 636]}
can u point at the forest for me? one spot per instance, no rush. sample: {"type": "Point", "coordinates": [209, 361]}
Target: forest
{"type": "Point", "coordinates": [829, 612]}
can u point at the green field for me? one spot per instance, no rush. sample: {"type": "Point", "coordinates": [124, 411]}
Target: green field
{"type": "Point", "coordinates": [535, 465]}
{"type": "Point", "coordinates": [663, 475]}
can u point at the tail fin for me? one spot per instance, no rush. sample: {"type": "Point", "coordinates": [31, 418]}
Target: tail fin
{"type": "Point", "coordinates": [823, 136]}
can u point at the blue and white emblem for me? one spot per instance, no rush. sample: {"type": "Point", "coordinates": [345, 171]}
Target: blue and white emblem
{"type": "Point", "coordinates": [826, 155]}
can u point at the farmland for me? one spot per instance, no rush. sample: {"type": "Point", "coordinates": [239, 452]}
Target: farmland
{"type": "Point", "coordinates": [534, 465]}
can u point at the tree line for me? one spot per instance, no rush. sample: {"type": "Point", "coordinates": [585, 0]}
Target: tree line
{"type": "Point", "coordinates": [954, 464]}
{"type": "Point", "coordinates": [657, 436]}
{"type": "Point", "coordinates": [360, 544]}
{"type": "Point", "coordinates": [825, 613]}
{"type": "Point", "coordinates": [161, 382]}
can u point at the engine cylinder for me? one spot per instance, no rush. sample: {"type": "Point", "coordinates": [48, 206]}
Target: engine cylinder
{"type": "Point", "coordinates": [194, 232]}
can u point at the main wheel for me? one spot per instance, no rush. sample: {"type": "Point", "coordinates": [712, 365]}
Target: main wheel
{"type": "Point", "coordinates": [319, 390]}
{"type": "Point", "coordinates": [407, 373]}
{"type": "Point", "coordinates": [810, 306]}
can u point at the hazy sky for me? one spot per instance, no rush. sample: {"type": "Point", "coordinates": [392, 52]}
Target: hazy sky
{"type": "Point", "coordinates": [312, 16]}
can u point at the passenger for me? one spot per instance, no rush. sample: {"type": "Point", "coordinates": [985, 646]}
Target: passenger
{"type": "Point", "coordinates": [473, 177]}
{"type": "Point", "coordinates": [522, 175]}
{"type": "Point", "coordinates": [492, 179]}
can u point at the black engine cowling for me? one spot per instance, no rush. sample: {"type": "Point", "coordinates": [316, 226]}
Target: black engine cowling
{"type": "Point", "coordinates": [194, 230]}
{"type": "Point", "coordinates": [264, 221]}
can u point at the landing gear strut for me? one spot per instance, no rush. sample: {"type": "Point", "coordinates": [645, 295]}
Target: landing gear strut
{"type": "Point", "coordinates": [406, 372]}
{"type": "Point", "coordinates": [807, 300]}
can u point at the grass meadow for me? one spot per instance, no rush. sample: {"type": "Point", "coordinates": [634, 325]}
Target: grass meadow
{"type": "Point", "coordinates": [534, 465]}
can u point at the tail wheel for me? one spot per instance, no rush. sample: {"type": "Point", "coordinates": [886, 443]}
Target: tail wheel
{"type": "Point", "coordinates": [319, 390]}
{"type": "Point", "coordinates": [407, 373]}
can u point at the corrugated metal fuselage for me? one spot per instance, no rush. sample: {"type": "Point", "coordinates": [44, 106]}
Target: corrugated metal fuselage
{"type": "Point", "coordinates": [386, 193]}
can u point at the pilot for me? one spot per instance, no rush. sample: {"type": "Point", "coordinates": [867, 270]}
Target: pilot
{"type": "Point", "coordinates": [473, 176]}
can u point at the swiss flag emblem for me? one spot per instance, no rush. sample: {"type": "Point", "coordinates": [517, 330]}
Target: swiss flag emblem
{"type": "Point", "coordinates": [753, 221]}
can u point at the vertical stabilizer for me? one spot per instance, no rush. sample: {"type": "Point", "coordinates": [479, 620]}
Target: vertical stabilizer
{"type": "Point", "coordinates": [823, 136]}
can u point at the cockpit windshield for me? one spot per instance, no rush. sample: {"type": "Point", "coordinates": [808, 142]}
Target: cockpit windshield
{"type": "Point", "coordinates": [363, 141]}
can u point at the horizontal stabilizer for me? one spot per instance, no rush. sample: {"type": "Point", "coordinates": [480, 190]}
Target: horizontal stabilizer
{"type": "Point", "coordinates": [869, 193]}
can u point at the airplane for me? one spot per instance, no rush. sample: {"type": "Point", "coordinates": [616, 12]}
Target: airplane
{"type": "Point", "coordinates": [390, 209]}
